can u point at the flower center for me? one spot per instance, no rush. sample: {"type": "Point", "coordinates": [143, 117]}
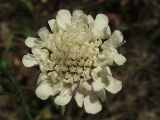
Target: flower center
{"type": "Point", "coordinates": [74, 53]}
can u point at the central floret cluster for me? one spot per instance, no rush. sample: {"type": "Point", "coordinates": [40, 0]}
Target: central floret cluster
{"type": "Point", "coordinates": [74, 59]}
{"type": "Point", "coordinates": [73, 52]}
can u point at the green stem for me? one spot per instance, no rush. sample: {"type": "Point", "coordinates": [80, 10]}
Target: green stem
{"type": "Point", "coordinates": [62, 112]}
{"type": "Point", "coordinates": [25, 109]}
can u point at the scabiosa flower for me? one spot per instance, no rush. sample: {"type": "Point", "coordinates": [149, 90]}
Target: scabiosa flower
{"type": "Point", "coordinates": [74, 59]}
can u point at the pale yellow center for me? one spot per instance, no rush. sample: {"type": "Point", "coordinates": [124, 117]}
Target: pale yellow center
{"type": "Point", "coordinates": [73, 54]}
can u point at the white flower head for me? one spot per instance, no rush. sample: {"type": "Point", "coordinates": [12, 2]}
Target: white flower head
{"type": "Point", "coordinates": [75, 58]}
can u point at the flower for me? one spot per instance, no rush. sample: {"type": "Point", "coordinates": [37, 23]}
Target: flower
{"type": "Point", "coordinates": [75, 59]}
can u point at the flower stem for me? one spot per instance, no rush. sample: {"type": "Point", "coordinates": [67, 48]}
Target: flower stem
{"type": "Point", "coordinates": [62, 111]}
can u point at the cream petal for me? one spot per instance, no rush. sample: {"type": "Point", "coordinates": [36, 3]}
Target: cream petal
{"type": "Point", "coordinates": [109, 52]}
{"type": "Point", "coordinates": [53, 75]}
{"type": "Point", "coordinates": [63, 18]}
{"type": "Point", "coordinates": [43, 91]}
{"type": "Point", "coordinates": [79, 17]}
{"type": "Point", "coordinates": [100, 24]}
{"type": "Point", "coordinates": [114, 85]}
{"type": "Point", "coordinates": [44, 54]}
{"type": "Point", "coordinates": [102, 95]}
{"type": "Point", "coordinates": [52, 24]}
{"type": "Point", "coordinates": [98, 85]}
{"type": "Point", "coordinates": [77, 13]}
{"type": "Point", "coordinates": [55, 89]}
{"type": "Point", "coordinates": [36, 51]}
{"type": "Point", "coordinates": [92, 104]}
{"type": "Point", "coordinates": [45, 65]}
{"type": "Point", "coordinates": [43, 33]}
{"type": "Point", "coordinates": [99, 78]}
{"type": "Point", "coordinates": [109, 57]}
{"type": "Point", "coordinates": [87, 86]}
{"type": "Point", "coordinates": [100, 61]}
{"type": "Point", "coordinates": [119, 59]}
{"type": "Point", "coordinates": [107, 32]}
{"type": "Point", "coordinates": [63, 98]}
{"type": "Point", "coordinates": [95, 71]}
{"type": "Point", "coordinates": [90, 19]}
{"type": "Point", "coordinates": [55, 92]}
{"type": "Point", "coordinates": [42, 78]}
{"type": "Point", "coordinates": [108, 71]}
{"type": "Point", "coordinates": [107, 45]}
{"type": "Point", "coordinates": [30, 42]}
{"type": "Point", "coordinates": [79, 97]}
{"type": "Point", "coordinates": [116, 38]}
{"type": "Point", "coordinates": [29, 60]}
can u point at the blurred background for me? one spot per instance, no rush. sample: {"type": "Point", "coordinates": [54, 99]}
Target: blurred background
{"type": "Point", "coordinates": [139, 21]}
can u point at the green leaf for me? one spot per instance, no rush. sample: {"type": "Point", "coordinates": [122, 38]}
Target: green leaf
{"type": "Point", "coordinates": [5, 64]}
{"type": "Point", "coordinates": [28, 4]}
{"type": "Point", "coordinates": [9, 43]}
